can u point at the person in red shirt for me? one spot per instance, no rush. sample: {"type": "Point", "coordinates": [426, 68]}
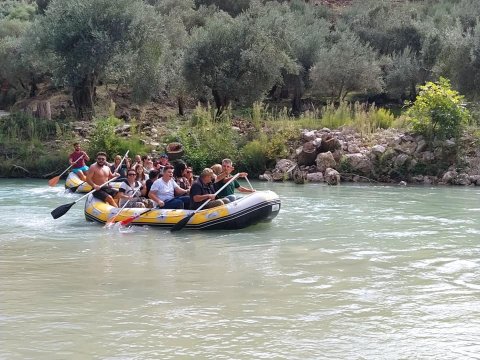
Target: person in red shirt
{"type": "Point", "coordinates": [79, 167]}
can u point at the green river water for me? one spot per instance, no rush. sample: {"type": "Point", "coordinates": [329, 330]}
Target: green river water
{"type": "Point", "coordinates": [346, 272]}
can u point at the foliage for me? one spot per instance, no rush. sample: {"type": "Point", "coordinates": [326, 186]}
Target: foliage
{"type": "Point", "coordinates": [233, 59]}
{"type": "Point", "coordinates": [349, 65]}
{"type": "Point", "coordinates": [22, 127]}
{"type": "Point", "coordinates": [438, 111]}
{"type": "Point", "coordinates": [104, 138]}
{"type": "Point", "coordinates": [402, 74]}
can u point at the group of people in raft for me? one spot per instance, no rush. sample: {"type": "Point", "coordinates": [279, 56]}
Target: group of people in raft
{"type": "Point", "coordinates": [148, 183]}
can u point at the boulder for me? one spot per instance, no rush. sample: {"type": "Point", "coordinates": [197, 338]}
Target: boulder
{"type": "Point", "coordinates": [359, 163]}
{"type": "Point", "coordinates": [421, 146]}
{"type": "Point", "coordinates": [474, 179]}
{"type": "Point", "coordinates": [353, 148]}
{"type": "Point", "coordinates": [332, 176]}
{"type": "Point", "coordinates": [325, 161]}
{"type": "Point", "coordinates": [378, 150]}
{"type": "Point", "coordinates": [427, 156]}
{"type": "Point", "coordinates": [401, 160]}
{"type": "Point", "coordinates": [284, 165]}
{"type": "Point", "coordinates": [307, 154]}
{"type": "Point", "coordinates": [329, 143]}
{"type": "Point", "coordinates": [449, 177]}
{"type": "Point", "coordinates": [462, 179]}
{"type": "Point", "coordinates": [315, 177]}
{"type": "Point", "coordinates": [308, 135]}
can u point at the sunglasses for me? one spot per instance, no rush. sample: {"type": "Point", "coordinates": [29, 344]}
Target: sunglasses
{"type": "Point", "coordinates": [132, 174]}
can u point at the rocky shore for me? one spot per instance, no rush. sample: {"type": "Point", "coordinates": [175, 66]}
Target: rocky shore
{"type": "Point", "coordinates": [387, 156]}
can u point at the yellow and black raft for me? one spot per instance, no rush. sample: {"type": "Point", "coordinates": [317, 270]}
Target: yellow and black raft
{"type": "Point", "coordinates": [260, 206]}
{"type": "Point", "coordinates": [75, 184]}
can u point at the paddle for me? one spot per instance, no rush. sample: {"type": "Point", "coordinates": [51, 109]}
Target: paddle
{"type": "Point", "coordinates": [251, 187]}
{"type": "Point", "coordinates": [112, 220]}
{"type": "Point", "coordinates": [127, 221]}
{"type": "Point", "coordinates": [62, 209]}
{"type": "Point", "coordinates": [54, 181]}
{"type": "Point", "coordinates": [181, 224]}
{"type": "Point", "coordinates": [74, 188]}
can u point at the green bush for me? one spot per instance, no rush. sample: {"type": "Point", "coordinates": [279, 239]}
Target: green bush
{"type": "Point", "coordinates": [105, 139]}
{"type": "Point", "coordinates": [438, 111]}
{"type": "Point", "coordinates": [22, 127]}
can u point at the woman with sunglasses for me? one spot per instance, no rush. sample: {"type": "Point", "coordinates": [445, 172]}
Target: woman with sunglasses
{"type": "Point", "coordinates": [130, 191]}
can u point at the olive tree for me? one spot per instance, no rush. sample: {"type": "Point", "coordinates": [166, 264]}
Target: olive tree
{"type": "Point", "coordinates": [233, 59]}
{"type": "Point", "coordinates": [301, 33]}
{"type": "Point", "coordinates": [348, 65]}
{"type": "Point", "coordinates": [402, 74]}
{"type": "Point", "coordinates": [85, 40]}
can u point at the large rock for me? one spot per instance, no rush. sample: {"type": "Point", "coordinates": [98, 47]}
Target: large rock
{"type": "Point", "coordinates": [378, 150]}
{"type": "Point", "coordinates": [329, 143]}
{"type": "Point", "coordinates": [325, 161]}
{"type": "Point", "coordinates": [283, 170]}
{"type": "Point", "coordinates": [401, 160]}
{"type": "Point", "coordinates": [332, 176]}
{"type": "Point", "coordinates": [307, 154]}
{"type": "Point", "coordinates": [315, 177]}
{"type": "Point", "coordinates": [308, 135]}
{"type": "Point", "coordinates": [462, 179]}
{"type": "Point", "coordinates": [449, 177]}
{"type": "Point", "coordinates": [421, 146]}
{"type": "Point", "coordinates": [359, 163]}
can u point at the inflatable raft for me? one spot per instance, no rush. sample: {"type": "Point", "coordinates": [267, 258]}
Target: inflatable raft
{"type": "Point", "coordinates": [260, 206]}
{"type": "Point", "coordinates": [74, 182]}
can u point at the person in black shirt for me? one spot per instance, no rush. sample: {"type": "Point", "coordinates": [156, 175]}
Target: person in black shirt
{"type": "Point", "coordinates": [202, 190]}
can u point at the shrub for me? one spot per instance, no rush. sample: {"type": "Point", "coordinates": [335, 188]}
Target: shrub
{"type": "Point", "coordinates": [105, 139]}
{"type": "Point", "coordinates": [438, 111]}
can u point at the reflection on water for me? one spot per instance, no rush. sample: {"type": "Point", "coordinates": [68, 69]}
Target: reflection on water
{"type": "Point", "coordinates": [348, 272]}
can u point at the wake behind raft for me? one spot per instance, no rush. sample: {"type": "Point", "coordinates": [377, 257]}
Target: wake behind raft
{"type": "Point", "coordinates": [257, 207]}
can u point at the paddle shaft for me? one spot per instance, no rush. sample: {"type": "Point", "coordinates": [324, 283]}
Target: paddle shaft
{"type": "Point", "coordinates": [74, 188]}
{"type": "Point", "coordinates": [181, 224]}
{"type": "Point", "coordinates": [109, 181]}
{"type": "Point", "coordinates": [81, 157]}
{"type": "Point", "coordinates": [218, 192]}
{"type": "Point", "coordinates": [125, 205]}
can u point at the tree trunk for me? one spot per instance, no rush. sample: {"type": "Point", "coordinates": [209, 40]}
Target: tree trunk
{"type": "Point", "coordinates": [33, 86]}
{"type": "Point", "coordinates": [44, 110]}
{"type": "Point", "coordinates": [220, 101]}
{"type": "Point", "coordinates": [181, 105]}
{"type": "Point", "coordinates": [83, 98]}
{"type": "Point", "coordinates": [297, 95]}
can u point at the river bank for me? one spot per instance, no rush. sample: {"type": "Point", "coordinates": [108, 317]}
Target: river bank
{"type": "Point", "coordinates": [386, 156]}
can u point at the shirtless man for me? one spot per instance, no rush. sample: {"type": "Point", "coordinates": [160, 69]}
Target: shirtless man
{"type": "Point", "coordinates": [98, 174]}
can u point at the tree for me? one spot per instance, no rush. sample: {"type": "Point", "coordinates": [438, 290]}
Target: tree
{"type": "Point", "coordinates": [301, 33]}
{"type": "Point", "coordinates": [402, 74]}
{"type": "Point", "coordinates": [86, 40]}
{"type": "Point", "coordinates": [233, 7]}
{"type": "Point", "coordinates": [438, 111]}
{"type": "Point", "coordinates": [348, 65]}
{"type": "Point", "coordinates": [233, 59]}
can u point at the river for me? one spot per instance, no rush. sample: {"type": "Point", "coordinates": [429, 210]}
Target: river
{"type": "Point", "coordinates": [346, 272]}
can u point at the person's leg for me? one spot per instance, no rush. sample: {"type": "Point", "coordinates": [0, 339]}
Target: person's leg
{"type": "Point", "coordinates": [231, 198]}
{"type": "Point", "coordinates": [186, 201]}
{"type": "Point", "coordinates": [110, 200]}
{"type": "Point", "coordinates": [213, 203]}
{"type": "Point", "coordinates": [174, 203]}
{"type": "Point", "coordinates": [81, 175]}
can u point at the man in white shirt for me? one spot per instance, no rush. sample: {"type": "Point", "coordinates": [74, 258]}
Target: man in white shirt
{"type": "Point", "coordinates": [166, 192]}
